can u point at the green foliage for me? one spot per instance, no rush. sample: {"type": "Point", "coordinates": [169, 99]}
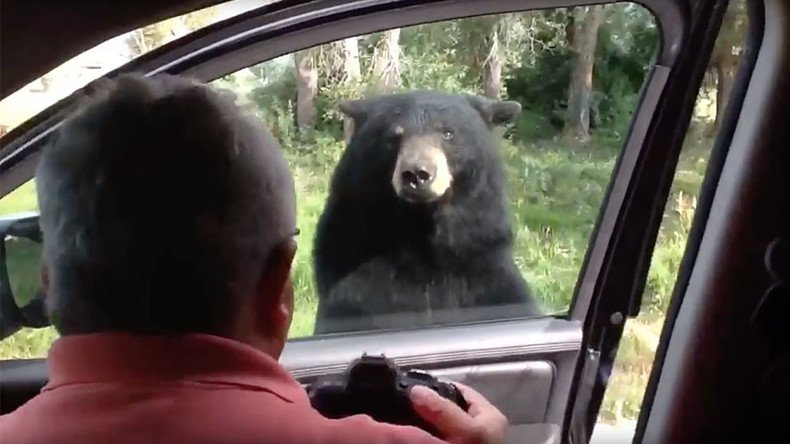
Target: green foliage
{"type": "Point", "coordinates": [427, 71]}
{"type": "Point", "coordinates": [21, 200]}
{"type": "Point", "coordinates": [627, 43]}
{"type": "Point", "coordinates": [28, 343]}
{"type": "Point", "coordinates": [543, 86]}
{"type": "Point", "coordinates": [532, 125]}
{"type": "Point", "coordinates": [615, 111]}
{"type": "Point", "coordinates": [23, 261]}
{"type": "Point", "coordinates": [150, 37]}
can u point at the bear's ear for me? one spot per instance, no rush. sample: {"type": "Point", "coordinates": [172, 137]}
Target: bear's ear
{"type": "Point", "coordinates": [496, 112]}
{"type": "Point", "coordinates": [505, 112]}
{"type": "Point", "coordinates": [356, 109]}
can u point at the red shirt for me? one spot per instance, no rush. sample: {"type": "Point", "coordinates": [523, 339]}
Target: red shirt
{"type": "Point", "coordinates": [117, 388]}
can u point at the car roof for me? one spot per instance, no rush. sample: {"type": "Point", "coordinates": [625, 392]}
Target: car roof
{"type": "Point", "coordinates": [38, 36]}
{"type": "Point", "coordinates": [35, 37]}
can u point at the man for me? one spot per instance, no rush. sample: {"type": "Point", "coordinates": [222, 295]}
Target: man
{"type": "Point", "coordinates": [168, 218]}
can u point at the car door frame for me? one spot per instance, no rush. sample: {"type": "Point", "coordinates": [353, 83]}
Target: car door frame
{"type": "Point", "coordinates": [593, 324]}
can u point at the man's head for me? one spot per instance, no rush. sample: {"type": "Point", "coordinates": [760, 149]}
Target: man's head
{"type": "Point", "coordinates": [166, 209]}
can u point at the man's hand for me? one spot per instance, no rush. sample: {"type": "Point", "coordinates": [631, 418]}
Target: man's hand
{"type": "Point", "coordinates": [482, 424]}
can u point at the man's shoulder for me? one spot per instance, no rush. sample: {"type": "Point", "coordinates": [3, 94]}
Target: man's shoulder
{"type": "Point", "coordinates": [229, 414]}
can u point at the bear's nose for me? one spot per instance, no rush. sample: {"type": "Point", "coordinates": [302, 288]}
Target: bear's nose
{"type": "Point", "coordinates": [418, 176]}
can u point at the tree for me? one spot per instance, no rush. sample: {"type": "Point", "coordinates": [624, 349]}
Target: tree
{"type": "Point", "coordinates": [726, 53]}
{"type": "Point", "coordinates": [306, 89]}
{"type": "Point", "coordinates": [150, 37]}
{"type": "Point", "coordinates": [352, 73]}
{"type": "Point", "coordinates": [492, 65]}
{"type": "Point", "coordinates": [585, 39]}
{"type": "Point", "coordinates": [386, 62]}
{"type": "Point", "coordinates": [491, 43]}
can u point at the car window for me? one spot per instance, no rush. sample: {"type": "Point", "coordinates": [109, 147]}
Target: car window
{"type": "Point", "coordinates": [576, 75]}
{"type": "Point", "coordinates": [626, 388]}
{"type": "Point", "coordinates": [101, 59]}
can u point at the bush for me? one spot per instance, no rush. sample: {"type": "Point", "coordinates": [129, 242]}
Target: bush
{"type": "Point", "coordinates": [543, 86]}
{"type": "Point", "coordinates": [531, 126]}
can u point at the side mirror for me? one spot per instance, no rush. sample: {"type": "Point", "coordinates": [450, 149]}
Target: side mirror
{"type": "Point", "coordinates": [21, 297]}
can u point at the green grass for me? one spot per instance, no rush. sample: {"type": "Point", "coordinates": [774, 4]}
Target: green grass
{"type": "Point", "coordinates": [23, 262]}
{"type": "Point", "coordinates": [21, 200]}
{"type": "Point", "coordinates": [623, 398]}
{"type": "Point", "coordinates": [23, 255]}
{"type": "Point", "coordinates": [555, 192]}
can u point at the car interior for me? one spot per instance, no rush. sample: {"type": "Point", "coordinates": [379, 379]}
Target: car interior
{"type": "Point", "coordinates": [722, 359]}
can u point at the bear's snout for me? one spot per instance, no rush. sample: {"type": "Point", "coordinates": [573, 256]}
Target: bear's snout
{"type": "Point", "coordinates": [421, 173]}
{"type": "Point", "coordinates": [417, 174]}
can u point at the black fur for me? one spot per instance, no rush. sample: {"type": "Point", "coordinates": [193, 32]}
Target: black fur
{"type": "Point", "coordinates": [376, 254]}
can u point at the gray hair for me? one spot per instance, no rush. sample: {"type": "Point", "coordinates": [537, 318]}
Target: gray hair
{"type": "Point", "coordinates": [160, 201]}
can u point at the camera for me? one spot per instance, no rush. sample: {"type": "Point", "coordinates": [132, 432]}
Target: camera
{"type": "Point", "coordinates": [375, 386]}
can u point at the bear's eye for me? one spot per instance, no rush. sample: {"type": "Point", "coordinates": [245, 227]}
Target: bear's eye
{"type": "Point", "coordinates": [447, 134]}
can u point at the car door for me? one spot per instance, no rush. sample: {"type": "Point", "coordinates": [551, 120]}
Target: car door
{"type": "Point", "coordinates": [546, 373]}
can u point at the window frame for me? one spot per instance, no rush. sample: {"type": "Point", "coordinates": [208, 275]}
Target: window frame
{"type": "Point", "coordinates": [755, 32]}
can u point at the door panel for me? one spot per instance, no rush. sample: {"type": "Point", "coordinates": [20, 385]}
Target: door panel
{"type": "Point", "coordinates": [520, 366]}
{"type": "Point", "coordinates": [520, 389]}
{"type": "Point", "coordinates": [523, 367]}
{"type": "Point", "coordinates": [439, 347]}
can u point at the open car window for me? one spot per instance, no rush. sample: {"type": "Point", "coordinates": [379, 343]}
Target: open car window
{"type": "Point", "coordinates": [557, 154]}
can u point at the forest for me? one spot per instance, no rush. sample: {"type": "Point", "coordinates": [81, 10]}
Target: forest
{"type": "Point", "coordinates": [578, 74]}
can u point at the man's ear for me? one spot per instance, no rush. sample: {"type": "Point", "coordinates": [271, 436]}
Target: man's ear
{"type": "Point", "coordinates": [279, 265]}
{"type": "Point", "coordinates": [495, 112]}
{"type": "Point", "coordinates": [275, 286]}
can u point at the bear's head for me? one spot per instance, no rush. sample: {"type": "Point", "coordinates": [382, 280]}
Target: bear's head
{"type": "Point", "coordinates": [426, 144]}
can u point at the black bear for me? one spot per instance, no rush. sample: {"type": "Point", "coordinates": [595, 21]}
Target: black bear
{"type": "Point", "coordinates": [415, 230]}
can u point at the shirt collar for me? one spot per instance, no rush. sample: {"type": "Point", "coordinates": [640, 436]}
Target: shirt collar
{"type": "Point", "coordinates": [124, 358]}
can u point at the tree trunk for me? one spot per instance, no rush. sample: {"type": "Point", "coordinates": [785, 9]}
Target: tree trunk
{"type": "Point", "coordinates": [725, 76]}
{"type": "Point", "coordinates": [386, 62]}
{"type": "Point", "coordinates": [352, 77]}
{"type": "Point", "coordinates": [585, 39]}
{"type": "Point", "coordinates": [138, 42]}
{"type": "Point", "coordinates": [492, 67]}
{"type": "Point", "coordinates": [570, 29]}
{"type": "Point", "coordinates": [306, 90]}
